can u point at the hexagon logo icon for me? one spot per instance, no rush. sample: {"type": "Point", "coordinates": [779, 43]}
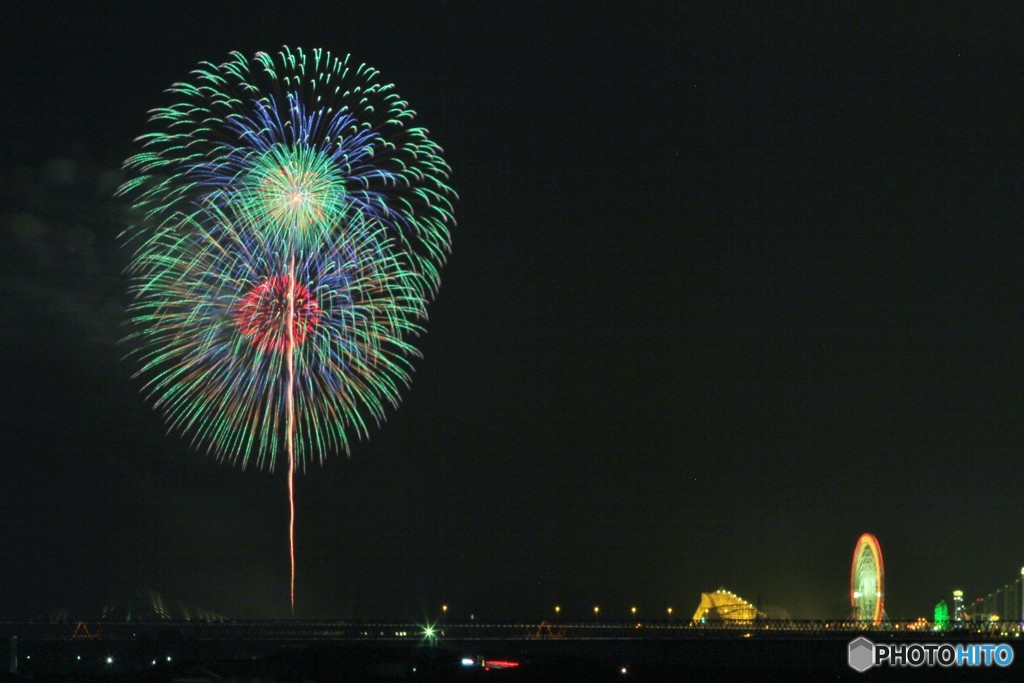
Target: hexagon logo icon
{"type": "Point", "coordinates": [861, 654]}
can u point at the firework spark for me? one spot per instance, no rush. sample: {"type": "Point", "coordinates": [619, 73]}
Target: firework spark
{"type": "Point", "coordinates": [294, 226]}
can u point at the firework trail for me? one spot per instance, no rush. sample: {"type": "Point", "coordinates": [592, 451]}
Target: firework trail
{"type": "Point", "coordinates": [294, 224]}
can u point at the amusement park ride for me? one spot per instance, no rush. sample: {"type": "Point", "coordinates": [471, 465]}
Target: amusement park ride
{"type": "Point", "coordinates": [867, 581]}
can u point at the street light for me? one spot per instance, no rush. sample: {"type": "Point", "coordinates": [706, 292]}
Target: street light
{"type": "Point", "coordinates": [669, 612]}
{"type": "Point", "coordinates": [633, 610]}
{"type": "Point", "coordinates": [596, 610]}
{"type": "Point", "coordinates": [558, 610]}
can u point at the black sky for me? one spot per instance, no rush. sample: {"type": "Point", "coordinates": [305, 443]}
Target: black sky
{"type": "Point", "coordinates": [728, 289]}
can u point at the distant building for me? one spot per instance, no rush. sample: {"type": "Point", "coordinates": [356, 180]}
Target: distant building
{"type": "Point", "coordinates": [941, 620]}
{"type": "Point", "coordinates": [958, 605]}
{"type": "Point", "coordinates": [725, 605]}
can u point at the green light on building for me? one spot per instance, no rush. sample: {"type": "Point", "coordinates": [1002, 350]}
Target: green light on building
{"type": "Point", "coordinates": [941, 616]}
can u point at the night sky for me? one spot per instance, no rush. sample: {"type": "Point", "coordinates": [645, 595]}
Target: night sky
{"type": "Point", "coordinates": [728, 289]}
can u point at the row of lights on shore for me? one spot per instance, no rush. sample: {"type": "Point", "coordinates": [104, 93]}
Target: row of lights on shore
{"type": "Point", "coordinates": [597, 610]}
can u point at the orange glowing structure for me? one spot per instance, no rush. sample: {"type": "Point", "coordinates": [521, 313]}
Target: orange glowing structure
{"type": "Point", "coordinates": [725, 605]}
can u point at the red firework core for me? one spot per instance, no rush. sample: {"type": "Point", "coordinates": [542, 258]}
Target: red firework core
{"type": "Point", "coordinates": [262, 314]}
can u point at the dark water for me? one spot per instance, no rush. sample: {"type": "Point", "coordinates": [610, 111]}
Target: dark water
{"type": "Point", "coordinates": [710, 657]}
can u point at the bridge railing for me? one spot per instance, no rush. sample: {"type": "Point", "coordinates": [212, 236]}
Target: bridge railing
{"type": "Point", "coordinates": [326, 630]}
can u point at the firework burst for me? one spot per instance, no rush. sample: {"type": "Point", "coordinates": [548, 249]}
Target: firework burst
{"type": "Point", "coordinates": [299, 142]}
{"type": "Point", "coordinates": [218, 314]}
{"type": "Point", "coordinates": [294, 226]}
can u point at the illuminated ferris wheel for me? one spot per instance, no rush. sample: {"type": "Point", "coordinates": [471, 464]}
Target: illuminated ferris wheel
{"type": "Point", "coordinates": [867, 581]}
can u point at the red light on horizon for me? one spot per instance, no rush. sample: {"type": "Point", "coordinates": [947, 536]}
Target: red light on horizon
{"type": "Point", "coordinates": [500, 664]}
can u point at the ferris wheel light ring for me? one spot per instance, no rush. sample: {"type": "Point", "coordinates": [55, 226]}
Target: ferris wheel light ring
{"type": "Point", "coordinates": [868, 553]}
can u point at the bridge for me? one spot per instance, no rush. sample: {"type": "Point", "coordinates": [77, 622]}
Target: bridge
{"type": "Point", "coordinates": [1006, 602]}
{"type": "Point", "coordinates": [302, 630]}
